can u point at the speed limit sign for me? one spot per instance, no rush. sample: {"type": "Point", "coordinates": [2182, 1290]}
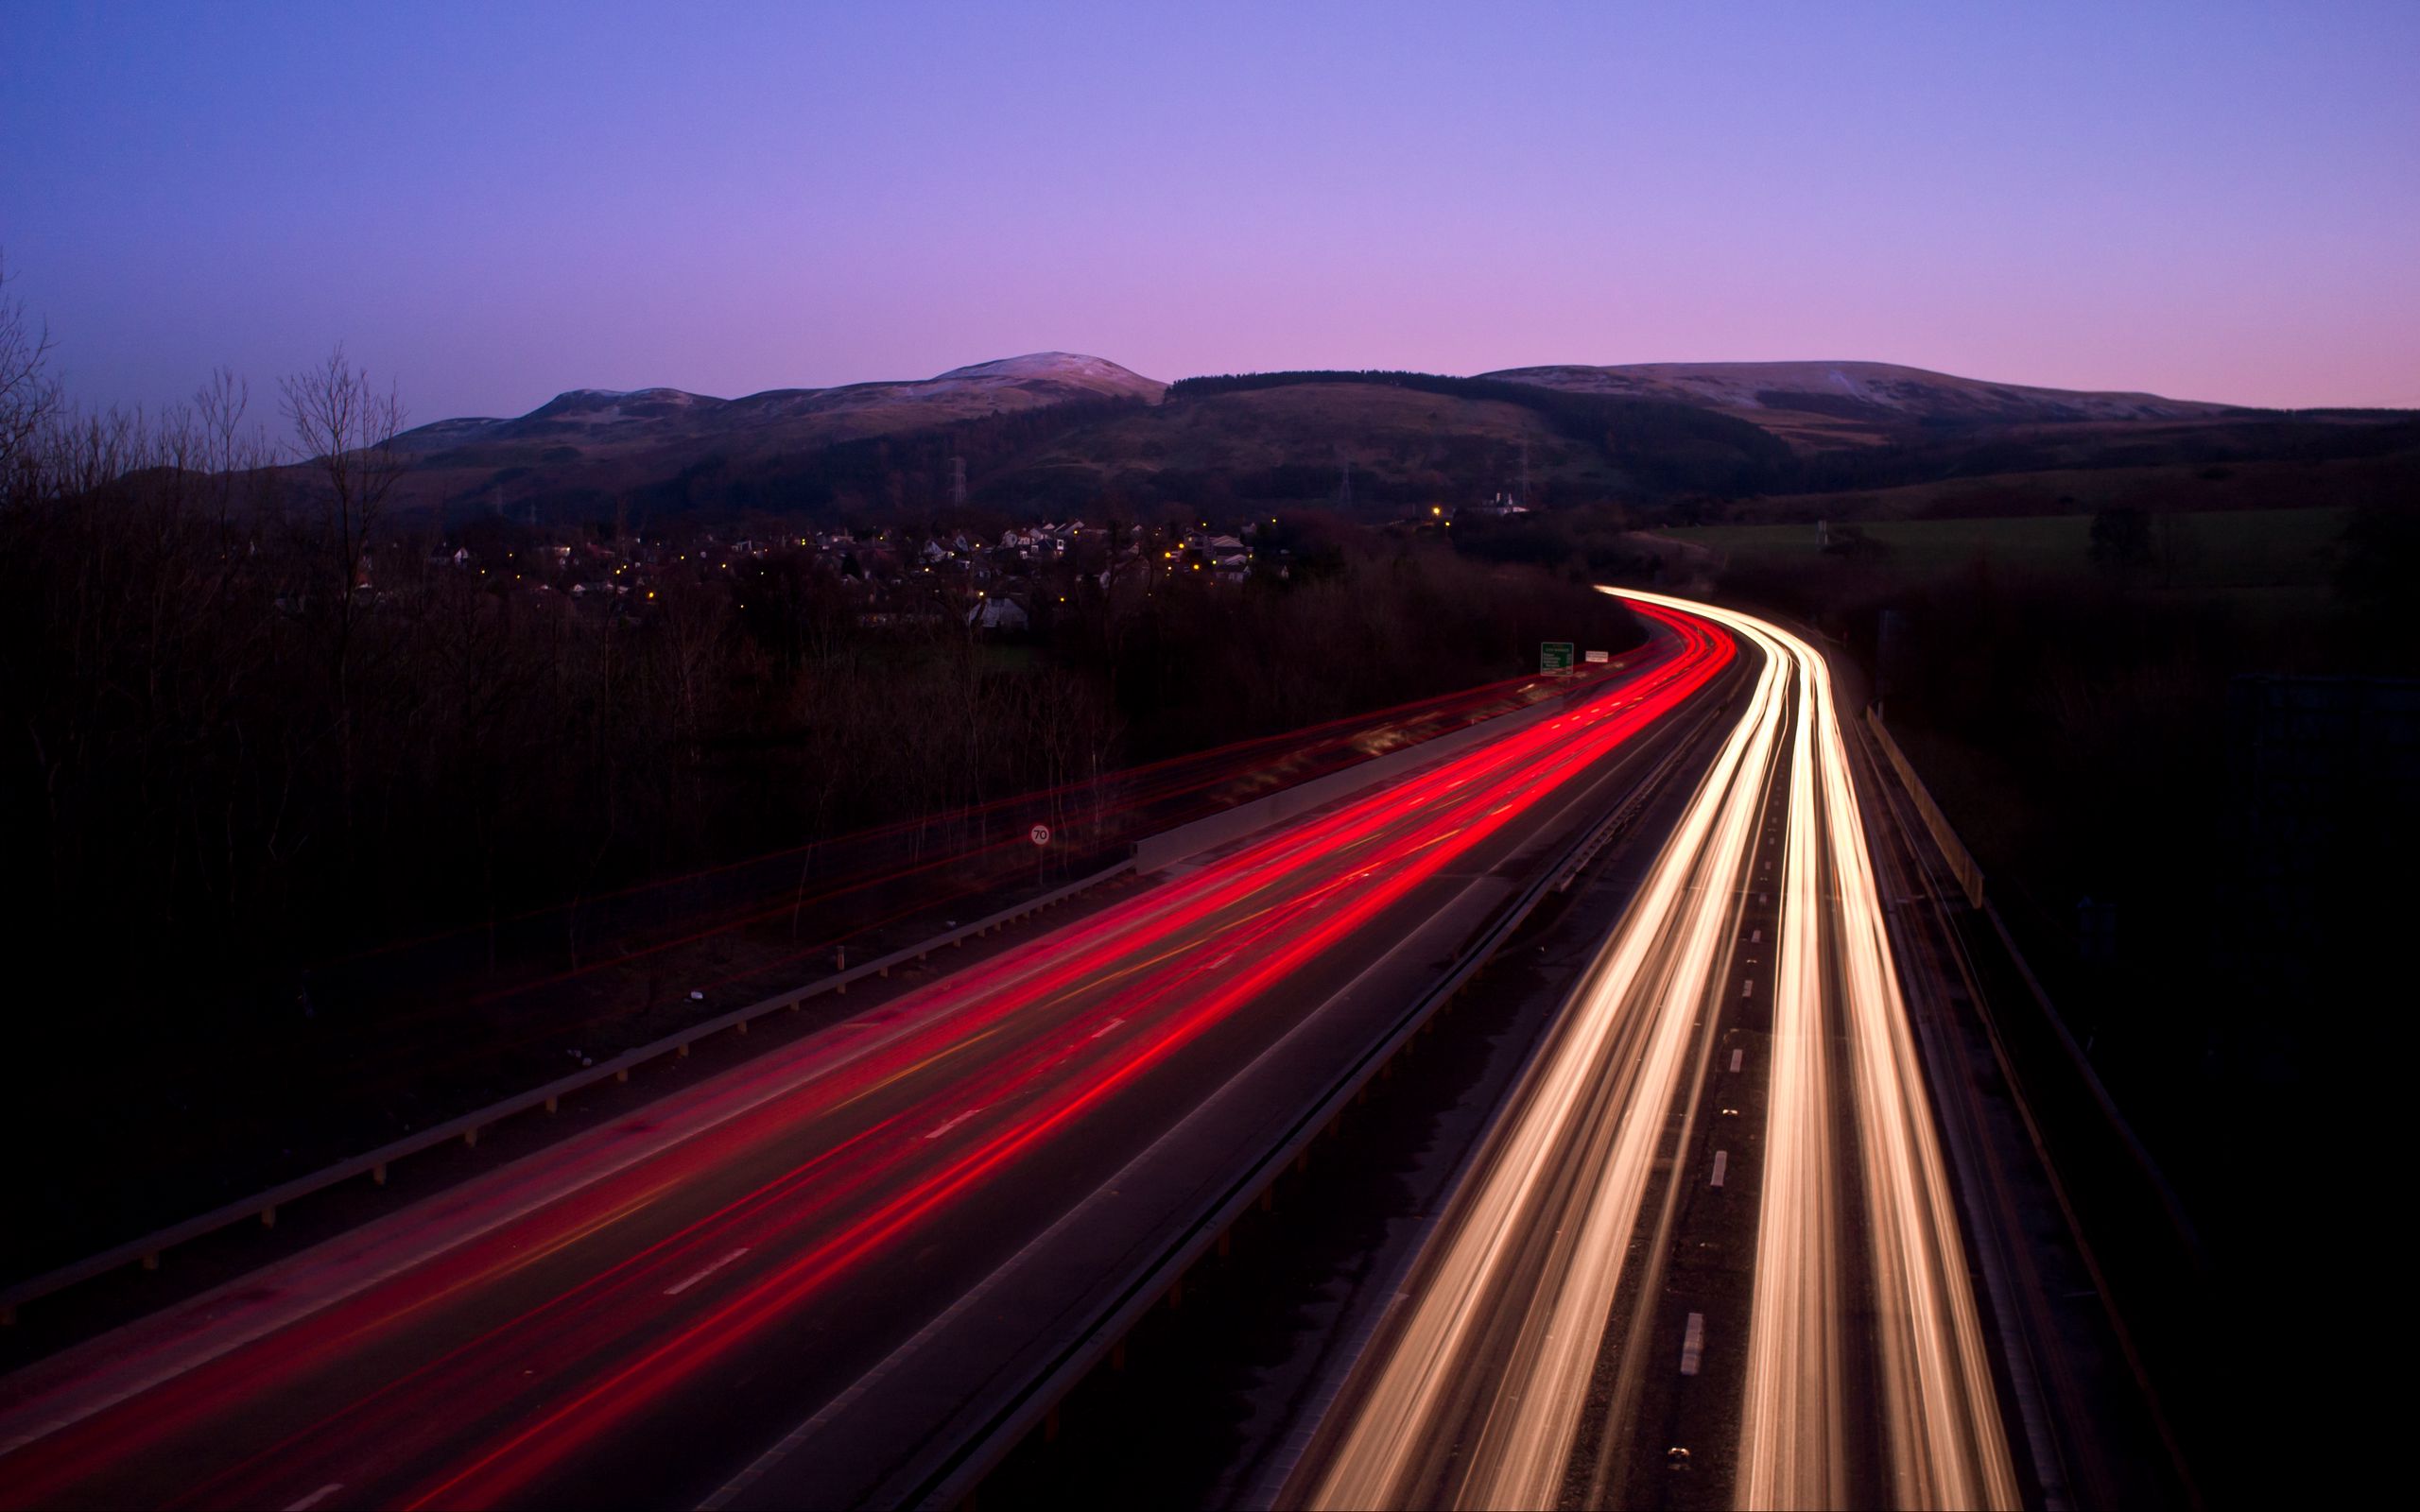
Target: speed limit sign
{"type": "Point", "coordinates": [1041, 833]}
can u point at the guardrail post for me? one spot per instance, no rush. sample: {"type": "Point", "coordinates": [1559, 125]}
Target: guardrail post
{"type": "Point", "coordinates": [471, 1138]}
{"type": "Point", "coordinates": [378, 1174]}
{"type": "Point", "coordinates": [623, 1074]}
{"type": "Point", "coordinates": [741, 1026]}
{"type": "Point", "coordinates": [151, 1259]}
{"type": "Point", "coordinates": [683, 1051]}
{"type": "Point", "coordinates": [268, 1216]}
{"type": "Point", "coordinates": [550, 1105]}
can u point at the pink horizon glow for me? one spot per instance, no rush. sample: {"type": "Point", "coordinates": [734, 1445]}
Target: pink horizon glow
{"type": "Point", "coordinates": [2208, 203]}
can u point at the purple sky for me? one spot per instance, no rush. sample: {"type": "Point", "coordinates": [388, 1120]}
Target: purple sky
{"type": "Point", "coordinates": [2206, 200]}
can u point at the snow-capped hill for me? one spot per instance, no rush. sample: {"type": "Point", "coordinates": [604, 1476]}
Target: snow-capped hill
{"type": "Point", "coordinates": [600, 422]}
{"type": "Point", "coordinates": [439, 434]}
{"type": "Point", "coordinates": [1811, 396]}
{"type": "Point", "coordinates": [1072, 367]}
{"type": "Point", "coordinates": [605, 405]}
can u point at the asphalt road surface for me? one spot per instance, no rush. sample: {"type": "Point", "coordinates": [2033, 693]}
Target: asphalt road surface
{"type": "Point", "coordinates": [800, 1282]}
{"type": "Point", "coordinates": [1710, 1254]}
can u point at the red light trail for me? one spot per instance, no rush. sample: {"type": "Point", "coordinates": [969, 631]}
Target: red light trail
{"type": "Point", "coordinates": [554, 1333]}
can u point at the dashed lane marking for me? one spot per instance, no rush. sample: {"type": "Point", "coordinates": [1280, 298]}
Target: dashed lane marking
{"type": "Point", "coordinates": [675, 1291]}
{"type": "Point", "coordinates": [953, 1123]}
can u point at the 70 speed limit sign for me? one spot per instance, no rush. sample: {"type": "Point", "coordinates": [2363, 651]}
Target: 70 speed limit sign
{"type": "Point", "coordinates": [1041, 833]}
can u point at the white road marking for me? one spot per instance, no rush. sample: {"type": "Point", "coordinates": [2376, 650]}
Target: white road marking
{"type": "Point", "coordinates": [953, 1123]}
{"type": "Point", "coordinates": [1748, 987]}
{"type": "Point", "coordinates": [1755, 937]}
{"type": "Point", "coordinates": [1735, 1058]}
{"type": "Point", "coordinates": [1721, 1163]}
{"type": "Point", "coordinates": [675, 1291]}
{"type": "Point", "coordinates": [1693, 1344]}
{"type": "Point", "coordinates": [316, 1497]}
{"type": "Point", "coordinates": [1106, 1027]}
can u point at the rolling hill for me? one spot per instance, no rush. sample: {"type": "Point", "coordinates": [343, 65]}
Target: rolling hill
{"type": "Point", "coordinates": [588, 443]}
{"type": "Point", "coordinates": [1821, 405]}
{"type": "Point", "coordinates": [1060, 432]}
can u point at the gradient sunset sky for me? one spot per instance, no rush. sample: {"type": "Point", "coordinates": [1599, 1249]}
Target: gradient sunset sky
{"type": "Point", "coordinates": [2213, 202]}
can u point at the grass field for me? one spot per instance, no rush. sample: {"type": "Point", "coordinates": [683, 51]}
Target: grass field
{"type": "Point", "coordinates": [2237, 549]}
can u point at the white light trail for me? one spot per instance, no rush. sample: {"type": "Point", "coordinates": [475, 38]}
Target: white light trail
{"type": "Point", "coordinates": [1565, 1173]}
{"type": "Point", "coordinates": [1476, 1396]}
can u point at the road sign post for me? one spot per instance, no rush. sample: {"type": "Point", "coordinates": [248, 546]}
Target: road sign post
{"type": "Point", "coordinates": [1040, 834]}
{"type": "Point", "coordinates": [1554, 657]}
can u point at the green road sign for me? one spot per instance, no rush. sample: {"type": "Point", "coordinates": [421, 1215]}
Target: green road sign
{"type": "Point", "coordinates": [1554, 655]}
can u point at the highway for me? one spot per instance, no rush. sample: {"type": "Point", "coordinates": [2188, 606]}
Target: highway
{"type": "Point", "coordinates": [802, 1280]}
{"type": "Point", "coordinates": [1638, 1296]}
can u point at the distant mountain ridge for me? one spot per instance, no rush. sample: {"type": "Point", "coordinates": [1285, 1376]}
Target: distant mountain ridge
{"type": "Point", "coordinates": [1822, 403]}
{"type": "Point", "coordinates": [1065, 432]}
{"type": "Point", "coordinates": [611, 417]}
{"type": "Point", "coordinates": [1808, 403]}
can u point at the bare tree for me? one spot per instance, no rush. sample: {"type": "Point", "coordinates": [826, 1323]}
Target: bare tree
{"type": "Point", "coordinates": [28, 397]}
{"type": "Point", "coordinates": [346, 429]}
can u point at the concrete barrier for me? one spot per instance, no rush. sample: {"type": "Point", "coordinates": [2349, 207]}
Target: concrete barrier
{"type": "Point", "coordinates": [1962, 865]}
